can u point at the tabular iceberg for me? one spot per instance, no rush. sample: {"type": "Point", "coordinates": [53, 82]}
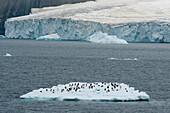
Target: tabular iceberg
{"type": "Point", "coordinates": [89, 91]}
{"type": "Point", "coordinates": [104, 38]}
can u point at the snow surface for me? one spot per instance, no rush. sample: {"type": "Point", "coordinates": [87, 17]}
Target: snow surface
{"type": "Point", "coordinates": [88, 91]}
{"type": "Point", "coordinates": [107, 11]}
{"type": "Point", "coordinates": [104, 38]}
{"type": "Point", "coordinates": [49, 37]}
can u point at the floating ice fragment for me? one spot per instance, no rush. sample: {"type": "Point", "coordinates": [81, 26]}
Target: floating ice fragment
{"type": "Point", "coordinates": [130, 59]}
{"type": "Point", "coordinates": [7, 54]}
{"type": "Point", "coordinates": [49, 37]}
{"type": "Point", "coordinates": [88, 91]}
{"type": "Point", "coordinates": [113, 58]}
{"type": "Point", "coordinates": [2, 36]}
{"type": "Point", "coordinates": [104, 38]}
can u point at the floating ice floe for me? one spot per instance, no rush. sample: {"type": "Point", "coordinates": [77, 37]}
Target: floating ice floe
{"type": "Point", "coordinates": [7, 54]}
{"type": "Point", "coordinates": [98, 91]}
{"type": "Point", "coordinates": [113, 58]}
{"type": "Point", "coordinates": [2, 36]}
{"type": "Point", "coordinates": [130, 59]}
{"type": "Point", "coordinates": [49, 37]}
{"type": "Point", "coordinates": [122, 59]}
{"type": "Point", "coordinates": [104, 38]}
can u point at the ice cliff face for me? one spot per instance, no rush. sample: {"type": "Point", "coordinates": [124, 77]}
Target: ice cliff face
{"type": "Point", "coordinates": [9, 8]}
{"type": "Point", "coordinates": [131, 20]}
{"type": "Point", "coordinates": [81, 30]}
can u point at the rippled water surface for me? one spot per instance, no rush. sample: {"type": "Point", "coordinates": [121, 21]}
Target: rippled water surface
{"type": "Point", "coordinates": [36, 64]}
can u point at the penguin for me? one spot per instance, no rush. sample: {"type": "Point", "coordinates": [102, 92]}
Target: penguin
{"type": "Point", "coordinates": [62, 90]}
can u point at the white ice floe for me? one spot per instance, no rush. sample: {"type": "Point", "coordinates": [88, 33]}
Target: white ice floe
{"type": "Point", "coordinates": [130, 59]}
{"type": "Point", "coordinates": [113, 58]}
{"type": "Point", "coordinates": [104, 38]}
{"type": "Point", "coordinates": [49, 37]}
{"type": "Point", "coordinates": [7, 54]}
{"type": "Point", "coordinates": [89, 91]}
{"type": "Point", "coordinates": [2, 36]}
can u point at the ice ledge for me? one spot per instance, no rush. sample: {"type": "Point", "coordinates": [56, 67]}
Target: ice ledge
{"type": "Point", "coordinates": [131, 20]}
{"type": "Point", "coordinates": [69, 29]}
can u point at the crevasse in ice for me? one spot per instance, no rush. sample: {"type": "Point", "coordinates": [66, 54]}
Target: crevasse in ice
{"type": "Point", "coordinates": [89, 91]}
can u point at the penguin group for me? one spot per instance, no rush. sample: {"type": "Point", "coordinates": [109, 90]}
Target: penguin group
{"type": "Point", "coordinates": [88, 91]}
{"type": "Point", "coordinates": [82, 87]}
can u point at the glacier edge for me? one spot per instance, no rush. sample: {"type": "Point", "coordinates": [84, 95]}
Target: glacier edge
{"type": "Point", "coordinates": [70, 29]}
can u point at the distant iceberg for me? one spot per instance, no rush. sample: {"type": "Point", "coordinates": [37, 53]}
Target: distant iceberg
{"type": "Point", "coordinates": [104, 38]}
{"type": "Point", "coordinates": [112, 58]}
{"type": "Point", "coordinates": [49, 37]}
{"type": "Point", "coordinates": [2, 36]}
{"type": "Point", "coordinates": [7, 54]}
{"type": "Point", "coordinates": [130, 59]}
{"type": "Point", "coordinates": [99, 91]}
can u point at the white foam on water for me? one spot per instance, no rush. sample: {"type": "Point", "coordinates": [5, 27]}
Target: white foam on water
{"type": "Point", "coordinates": [88, 91]}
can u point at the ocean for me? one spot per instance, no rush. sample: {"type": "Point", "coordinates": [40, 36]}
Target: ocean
{"type": "Point", "coordinates": [41, 64]}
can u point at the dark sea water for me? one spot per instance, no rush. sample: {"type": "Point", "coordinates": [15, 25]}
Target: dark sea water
{"type": "Point", "coordinates": [40, 64]}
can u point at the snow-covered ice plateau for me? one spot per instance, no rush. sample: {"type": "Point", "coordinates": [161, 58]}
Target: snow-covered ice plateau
{"type": "Point", "coordinates": [131, 20]}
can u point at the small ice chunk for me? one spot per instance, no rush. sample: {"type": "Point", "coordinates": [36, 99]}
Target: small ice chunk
{"type": "Point", "coordinates": [7, 54]}
{"type": "Point", "coordinates": [49, 37]}
{"type": "Point", "coordinates": [104, 38]}
{"type": "Point", "coordinates": [130, 59]}
{"type": "Point", "coordinates": [2, 36]}
{"type": "Point", "coordinates": [113, 58]}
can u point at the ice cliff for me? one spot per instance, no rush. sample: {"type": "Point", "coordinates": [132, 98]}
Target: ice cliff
{"type": "Point", "coordinates": [131, 20]}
